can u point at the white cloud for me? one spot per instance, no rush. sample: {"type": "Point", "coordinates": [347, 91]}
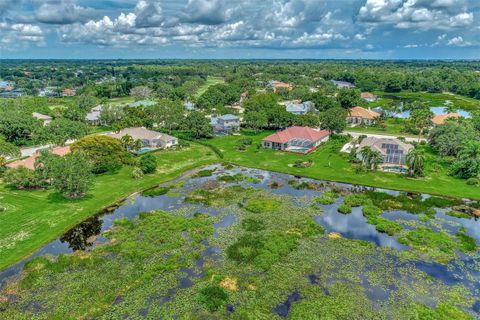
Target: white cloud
{"type": "Point", "coordinates": [20, 35]}
{"type": "Point", "coordinates": [61, 12]}
{"type": "Point", "coordinates": [458, 42]}
{"type": "Point", "coordinates": [417, 14]}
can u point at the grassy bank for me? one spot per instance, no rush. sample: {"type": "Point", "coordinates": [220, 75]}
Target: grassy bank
{"type": "Point", "coordinates": [34, 218]}
{"type": "Point", "coordinates": [329, 164]}
{"type": "Point", "coordinates": [393, 127]}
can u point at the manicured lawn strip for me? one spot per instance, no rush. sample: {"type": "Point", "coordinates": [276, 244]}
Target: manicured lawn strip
{"type": "Point", "coordinates": [34, 218]}
{"type": "Point", "coordinates": [393, 128]}
{"type": "Point", "coordinates": [211, 81]}
{"type": "Point", "coordinates": [330, 165]}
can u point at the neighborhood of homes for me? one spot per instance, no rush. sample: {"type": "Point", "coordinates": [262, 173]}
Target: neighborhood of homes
{"type": "Point", "coordinates": [300, 140]}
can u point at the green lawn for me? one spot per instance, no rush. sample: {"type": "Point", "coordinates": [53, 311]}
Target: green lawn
{"type": "Point", "coordinates": [431, 99]}
{"type": "Point", "coordinates": [393, 127]}
{"type": "Point", "coordinates": [120, 101]}
{"type": "Point", "coordinates": [329, 164]}
{"type": "Point", "coordinates": [211, 81]}
{"type": "Point", "coordinates": [34, 218]}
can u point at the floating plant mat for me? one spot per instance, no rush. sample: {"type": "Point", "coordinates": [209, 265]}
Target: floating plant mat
{"type": "Point", "coordinates": [247, 248]}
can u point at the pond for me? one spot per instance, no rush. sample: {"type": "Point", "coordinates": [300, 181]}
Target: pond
{"type": "Point", "coordinates": [275, 244]}
{"type": "Point", "coordinates": [436, 111]}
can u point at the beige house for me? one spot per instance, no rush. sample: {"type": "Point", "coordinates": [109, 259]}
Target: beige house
{"type": "Point", "coordinates": [359, 115]}
{"type": "Point", "coordinates": [393, 151]}
{"type": "Point", "coordinates": [149, 138]}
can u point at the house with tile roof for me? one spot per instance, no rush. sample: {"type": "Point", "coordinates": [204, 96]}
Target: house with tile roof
{"type": "Point", "coordinates": [225, 123]}
{"type": "Point", "coordinates": [440, 119]}
{"type": "Point", "coordinates": [359, 115]}
{"type": "Point", "coordinates": [296, 139]}
{"type": "Point", "coordinates": [149, 138]}
{"type": "Point", "coordinates": [29, 162]}
{"type": "Point", "coordinates": [368, 96]}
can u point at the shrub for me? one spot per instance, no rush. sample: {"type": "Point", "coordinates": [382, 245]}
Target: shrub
{"type": "Point", "coordinates": [246, 249]}
{"type": "Point", "coordinates": [137, 173]}
{"type": "Point", "coordinates": [21, 178]}
{"type": "Point", "coordinates": [213, 297]}
{"type": "Point", "coordinates": [473, 182]}
{"type": "Point", "coordinates": [465, 242]}
{"type": "Point", "coordinates": [344, 208]}
{"type": "Point", "coordinates": [148, 164]}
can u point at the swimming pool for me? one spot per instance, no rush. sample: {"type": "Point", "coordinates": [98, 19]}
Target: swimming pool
{"type": "Point", "coordinates": [144, 150]}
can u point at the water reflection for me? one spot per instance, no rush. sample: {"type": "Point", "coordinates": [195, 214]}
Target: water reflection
{"type": "Point", "coordinates": [83, 235]}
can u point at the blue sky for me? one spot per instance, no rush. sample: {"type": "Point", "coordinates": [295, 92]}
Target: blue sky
{"type": "Point", "coordinates": [321, 29]}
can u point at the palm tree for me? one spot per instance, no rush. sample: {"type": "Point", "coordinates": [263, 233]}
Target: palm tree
{"type": "Point", "coordinates": [415, 162]}
{"type": "Point", "coordinates": [366, 155]}
{"type": "Point", "coordinates": [470, 150]}
{"type": "Point", "coordinates": [127, 141]}
{"type": "Point", "coordinates": [375, 159]}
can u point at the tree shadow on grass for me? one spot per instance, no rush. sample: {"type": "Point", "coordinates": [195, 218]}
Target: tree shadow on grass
{"type": "Point", "coordinates": [56, 197]}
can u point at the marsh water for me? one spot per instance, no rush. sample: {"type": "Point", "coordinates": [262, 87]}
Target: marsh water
{"type": "Point", "coordinates": [464, 270]}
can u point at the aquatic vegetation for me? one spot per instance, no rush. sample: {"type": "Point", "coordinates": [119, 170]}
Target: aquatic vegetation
{"type": "Point", "coordinates": [327, 198]}
{"type": "Point", "coordinates": [356, 200]}
{"type": "Point", "coordinates": [188, 263]}
{"type": "Point", "coordinates": [204, 173]}
{"type": "Point", "coordinates": [344, 208]}
{"type": "Point", "coordinates": [158, 191]}
{"type": "Point", "coordinates": [457, 214]}
{"type": "Point", "coordinates": [260, 205]}
{"type": "Point", "coordinates": [251, 224]}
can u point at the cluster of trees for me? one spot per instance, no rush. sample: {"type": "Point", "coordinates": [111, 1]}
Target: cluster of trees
{"type": "Point", "coordinates": [69, 175]}
{"type": "Point", "coordinates": [459, 140]}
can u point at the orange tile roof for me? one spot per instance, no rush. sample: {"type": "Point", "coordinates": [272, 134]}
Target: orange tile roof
{"type": "Point", "coordinates": [363, 113]}
{"type": "Point", "coordinates": [299, 133]}
{"type": "Point", "coordinates": [441, 118]}
{"type": "Point", "coordinates": [29, 162]}
{"type": "Point", "coordinates": [367, 95]}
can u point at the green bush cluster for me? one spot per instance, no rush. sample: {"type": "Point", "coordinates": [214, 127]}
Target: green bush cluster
{"type": "Point", "coordinates": [328, 197]}
{"type": "Point", "coordinates": [344, 208]}
{"type": "Point", "coordinates": [373, 213]}
{"type": "Point", "coordinates": [260, 205]}
{"type": "Point", "coordinates": [158, 191]}
{"type": "Point", "coordinates": [213, 297]}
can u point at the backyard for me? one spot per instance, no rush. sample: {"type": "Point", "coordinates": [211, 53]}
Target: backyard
{"type": "Point", "coordinates": [329, 164]}
{"type": "Point", "coordinates": [33, 218]}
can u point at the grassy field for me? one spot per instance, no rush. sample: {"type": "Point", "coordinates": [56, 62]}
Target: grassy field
{"type": "Point", "coordinates": [329, 164]}
{"type": "Point", "coordinates": [211, 81]}
{"type": "Point", "coordinates": [34, 218]}
{"type": "Point", "coordinates": [431, 99]}
{"type": "Point", "coordinates": [393, 128]}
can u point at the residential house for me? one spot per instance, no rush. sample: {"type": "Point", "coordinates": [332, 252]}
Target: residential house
{"type": "Point", "coordinates": [300, 108]}
{"type": "Point", "coordinates": [225, 123]}
{"type": "Point", "coordinates": [149, 138]}
{"type": "Point", "coordinates": [243, 97]}
{"type": "Point", "coordinates": [440, 119]}
{"type": "Point", "coordinates": [359, 115]}
{"type": "Point", "coordinates": [296, 139]}
{"type": "Point", "coordinates": [190, 106]}
{"type": "Point", "coordinates": [12, 94]}
{"type": "Point", "coordinates": [142, 103]}
{"type": "Point", "coordinates": [275, 85]}
{"type": "Point", "coordinates": [69, 92]}
{"type": "Point", "coordinates": [42, 117]}
{"type": "Point", "coordinates": [6, 85]}
{"type": "Point", "coordinates": [343, 84]}
{"type": "Point", "coordinates": [368, 96]}
{"type": "Point", "coordinates": [393, 151]}
{"type": "Point", "coordinates": [93, 117]}
{"type": "Point", "coordinates": [29, 162]}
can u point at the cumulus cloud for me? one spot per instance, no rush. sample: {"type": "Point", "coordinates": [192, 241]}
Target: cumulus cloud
{"type": "Point", "coordinates": [209, 12]}
{"type": "Point", "coordinates": [417, 14]}
{"type": "Point", "coordinates": [20, 35]}
{"type": "Point", "coordinates": [458, 42]}
{"type": "Point", "coordinates": [61, 12]}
